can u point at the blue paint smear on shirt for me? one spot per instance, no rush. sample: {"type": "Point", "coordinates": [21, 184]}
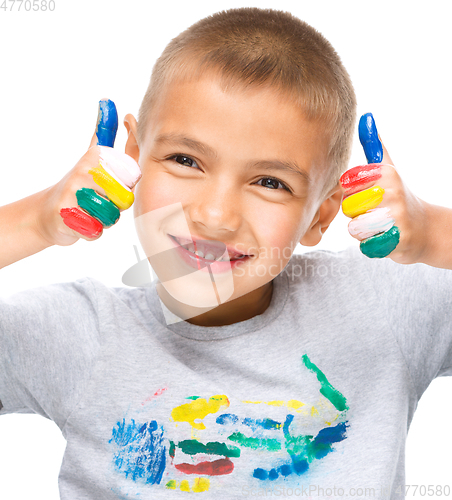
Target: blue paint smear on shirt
{"type": "Point", "coordinates": [321, 445]}
{"type": "Point", "coordinates": [262, 423]}
{"type": "Point", "coordinates": [227, 419]}
{"type": "Point", "coordinates": [308, 448]}
{"type": "Point", "coordinates": [254, 423]}
{"type": "Point", "coordinates": [140, 450]}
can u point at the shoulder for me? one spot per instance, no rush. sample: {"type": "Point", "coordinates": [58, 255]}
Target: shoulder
{"type": "Point", "coordinates": [71, 303]}
{"type": "Point", "coordinates": [322, 265]}
{"type": "Point", "coordinates": [350, 268]}
{"type": "Point", "coordinates": [57, 298]}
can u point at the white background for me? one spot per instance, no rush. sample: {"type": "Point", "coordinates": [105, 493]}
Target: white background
{"type": "Point", "coordinates": [55, 66]}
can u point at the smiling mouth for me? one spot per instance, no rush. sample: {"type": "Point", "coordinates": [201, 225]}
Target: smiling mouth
{"type": "Point", "coordinates": [208, 250]}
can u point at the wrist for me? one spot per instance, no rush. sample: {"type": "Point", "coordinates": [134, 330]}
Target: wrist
{"type": "Point", "coordinates": [40, 219]}
{"type": "Point", "coordinates": [438, 236]}
{"type": "Point", "coordinates": [19, 230]}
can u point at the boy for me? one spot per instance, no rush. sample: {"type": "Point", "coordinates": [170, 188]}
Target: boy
{"type": "Point", "coordinates": [264, 388]}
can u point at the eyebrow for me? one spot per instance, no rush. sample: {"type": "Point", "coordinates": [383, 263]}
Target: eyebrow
{"type": "Point", "coordinates": [204, 149]}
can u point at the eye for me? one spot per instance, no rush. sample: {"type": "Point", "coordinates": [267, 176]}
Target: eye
{"type": "Point", "coordinates": [186, 161]}
{"type": "Point", "coordinates": [272, 183]}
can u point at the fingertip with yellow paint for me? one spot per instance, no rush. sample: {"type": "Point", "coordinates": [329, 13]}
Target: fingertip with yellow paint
{"type": "Point", "coordinates": [122, 197]}
{"type": "Point", "coordinates": [360, 203]}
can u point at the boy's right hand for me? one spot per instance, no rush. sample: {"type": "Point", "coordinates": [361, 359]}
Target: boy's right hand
{"type": "Point", "coordinates": [91, 195]}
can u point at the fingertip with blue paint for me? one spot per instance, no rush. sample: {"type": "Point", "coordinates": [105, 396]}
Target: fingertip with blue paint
{"type": "Point", "coordinates": [368, 136]}
{"type": "Point", "coordinates": [107, 123]}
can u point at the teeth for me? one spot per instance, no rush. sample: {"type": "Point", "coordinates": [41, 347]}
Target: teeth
{"type": "Point", "coordinates": [199, 253]}
{"type": "Point", "coordinates": [209, 255]}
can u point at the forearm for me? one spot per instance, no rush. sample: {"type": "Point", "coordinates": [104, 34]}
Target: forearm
{"type": "Point", "coordinates": [438, 252]}
{"type": "Point", "coordinates": [19, 230]}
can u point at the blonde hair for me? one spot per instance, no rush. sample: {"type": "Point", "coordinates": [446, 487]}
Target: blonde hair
{"type": "Point", "coordinates": [265, 47]}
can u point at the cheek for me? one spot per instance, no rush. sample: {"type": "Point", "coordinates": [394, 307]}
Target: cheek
{"type": "Point", "coordinates": [155, 191]}
{"type": "Point", "coordinates": [276, 229]}
{"type": "Point", "coordinates": [282, 228]}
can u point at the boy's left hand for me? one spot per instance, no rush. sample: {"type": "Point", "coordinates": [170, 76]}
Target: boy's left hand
{"type": "Point", "coordinates": [387, 218]}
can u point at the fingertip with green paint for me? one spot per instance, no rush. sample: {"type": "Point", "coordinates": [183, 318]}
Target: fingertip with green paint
{"type": "Point", "coordinates": [98, 207]}
{"type": "Point", "coordinates": [381, 245]}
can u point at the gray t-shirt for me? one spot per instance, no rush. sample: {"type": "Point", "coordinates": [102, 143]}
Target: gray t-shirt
{"type": "Point", "coordinates": [312, 398]}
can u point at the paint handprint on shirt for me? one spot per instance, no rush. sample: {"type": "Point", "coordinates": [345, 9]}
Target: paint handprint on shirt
{"type": "Point", "coordinates": [208, 442]}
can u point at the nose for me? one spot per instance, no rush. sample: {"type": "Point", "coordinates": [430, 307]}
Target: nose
{"type": "Point", "coordinates": [216, 207]}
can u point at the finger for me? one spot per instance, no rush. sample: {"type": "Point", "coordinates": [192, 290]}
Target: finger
{"type": "Point", "coordinates": [361, 202]}
{"type": "Point", "coordinates": [106, 212]}
{"type": "Point", "coordinates": [107, 124]}
{"type": "Point", "coordinates": [368, 136]}
{"type": "Point", "coordinates": [359, 178]}
{"type": "Point", "coordinates": [117, 174]}
{"type": "Point", "coordinates": [375, 221]}
{"type": "Point", "coordinates": [120, 166]}
{"type": "Point", "coordinates": [364, 176]}
{"type": "Point", "coordinates": [122, 197]}
{"type": "Point", "coordinates": [381, 245]}
{"type": "Point", "coordinates": [80, 222]}
{"type": "Point", "coordinates": [94, 212]}
{"type": "Point", "coordinates": [371, 141]}
{"type": "Point", "coordinates": [374, 227]}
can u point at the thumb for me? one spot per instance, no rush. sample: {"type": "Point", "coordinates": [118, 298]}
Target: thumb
{"type": "Point", "coordinates": [371, 142]}
{"type": "Point", "coordinates": [107, 124]}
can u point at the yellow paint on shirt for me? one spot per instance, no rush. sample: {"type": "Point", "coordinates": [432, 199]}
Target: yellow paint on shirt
{"type": "Point", "coordinates": [198, 410]}
{"type": "Point", "coordinates": [184, 485]}
{"type": "Point", "coordinates": [314, 411]}
{"type": "Point", "coordinates": [201, 484]}
{"type": "Point", "coordinates": [292, 403]}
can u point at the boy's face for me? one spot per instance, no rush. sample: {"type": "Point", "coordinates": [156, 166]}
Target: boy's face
{"type": "Point", "coordinates": [247, 170]}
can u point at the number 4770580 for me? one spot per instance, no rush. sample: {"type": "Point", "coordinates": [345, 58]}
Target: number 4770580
{"type": "Point", "coordinates": [27, 5]}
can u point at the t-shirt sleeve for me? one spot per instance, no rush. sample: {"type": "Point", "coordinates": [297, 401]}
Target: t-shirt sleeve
{"type": "Point", "coordinates": [49, 338]}
{"type": "Point", "coordinates": [417, 302]}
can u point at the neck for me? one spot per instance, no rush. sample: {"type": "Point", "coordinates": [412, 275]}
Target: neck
{"type": "Point", "coordinates": [240, 309]}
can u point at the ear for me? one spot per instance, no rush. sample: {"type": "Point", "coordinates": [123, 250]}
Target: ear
{"type": "Point", "coordinates": [132, 147]}
{"type": "Point", "coordinates": [323, 218]}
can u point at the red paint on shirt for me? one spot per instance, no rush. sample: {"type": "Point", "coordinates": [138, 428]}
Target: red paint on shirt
{"type": "Point", "coordinates": [216, 468]}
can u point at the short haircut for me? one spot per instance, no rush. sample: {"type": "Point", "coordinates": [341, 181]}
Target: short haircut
{"type": "Point", "coordinates": [261, 48]}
